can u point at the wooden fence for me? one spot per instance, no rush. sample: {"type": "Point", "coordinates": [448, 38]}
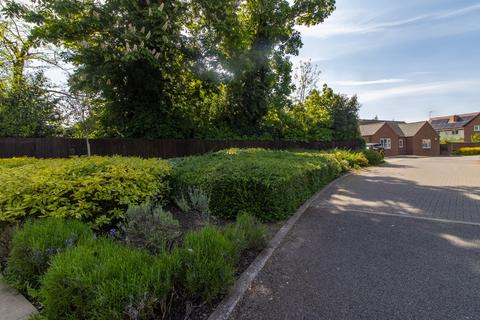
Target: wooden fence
{"type": "Point", "coordinates": [163, 148]}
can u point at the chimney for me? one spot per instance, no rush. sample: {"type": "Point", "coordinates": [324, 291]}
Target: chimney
{"type": "Point", "coordinates": [453, 119]}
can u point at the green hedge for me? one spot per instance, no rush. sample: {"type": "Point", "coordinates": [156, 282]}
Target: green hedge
{"type": "Point", "coordinates": [374, 157]}
{"type": "Point", "coordinates": [271, 185]}
{"type": "Point", "coordinates": [351, 159]}
{"type": "Point", "coordinates": [94, 189]}
{"type": "Point", "coordinates": [467, 151]}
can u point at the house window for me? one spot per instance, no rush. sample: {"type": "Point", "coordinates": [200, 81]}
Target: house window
{"type": "Point", "coordinates": [426, 144]}
{"type": "Point", "coordinates": [476, 128]}
{"type": "Point", "coordinates": [386, 143]}
{"type": "Point", "coordinates": [400, 143]}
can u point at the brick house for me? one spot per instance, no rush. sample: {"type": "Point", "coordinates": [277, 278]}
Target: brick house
{"type": "Point", "coordinates": [459, 127]}
{"type": "Point", "coordinates": [401, 138]}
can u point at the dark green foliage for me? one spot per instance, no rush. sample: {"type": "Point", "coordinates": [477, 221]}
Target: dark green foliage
{"type": "Point", "coordinates": [148, 227]}
{"type": "Point", "coordinates": [34, 245]}
{"type": "Point", "coordinates": [268, 184]}
{"type": "Point", "coordinates": [176, 68]}
{"type": "Point", "coordinates": [322, 116]}
{"type": "Point", "coordinates": [27, 109]}
{"type": "Point", "coordinates": [374, 157]}
{"type": "Point", "coordinates": [104, 280]}
{"type": "Point", "coordinates": [343, 112]}
{"type": "Point", "coordinates": [208, 259]}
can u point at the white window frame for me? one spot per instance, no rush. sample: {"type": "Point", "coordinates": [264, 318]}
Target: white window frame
{"type": "Point", "coordinates": [400, 143]}
{"type": "Point", "coordinates": [386, 143]}
{"type": "Point", "coordinates": [476, 128]}
{"type": "Point", "coordinates": [426, 143]}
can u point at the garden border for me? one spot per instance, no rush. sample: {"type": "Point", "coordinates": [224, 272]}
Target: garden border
{"type": "Point", "coordinates": [244, 282]}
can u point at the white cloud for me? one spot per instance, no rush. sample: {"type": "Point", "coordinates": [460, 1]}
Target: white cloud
{"type": "Point", "coordinates": [458, 12]}
{"type": "Point", "coordinates": [341, 24]}
{"type": "Point", "coordinates": [426, 88]}
{"type": "Point", "coordinates": [353, 83]}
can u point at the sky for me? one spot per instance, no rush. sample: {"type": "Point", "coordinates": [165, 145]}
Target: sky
{"type": "Point", "coordinates": [406, 60]}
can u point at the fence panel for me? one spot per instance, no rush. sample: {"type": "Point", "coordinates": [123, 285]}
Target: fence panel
{"type": "Point", "coordinates": [163, 148]}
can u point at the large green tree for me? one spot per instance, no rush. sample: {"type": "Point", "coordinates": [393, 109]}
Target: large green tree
{"type": "Point", "coordinates": [252, 45]}
{"type": "Point", "coordinates": [343, 111]}
{"type": "Point", "coordinates": [178, 68]}
{"type": "Point", "coordinates": [28, 108]}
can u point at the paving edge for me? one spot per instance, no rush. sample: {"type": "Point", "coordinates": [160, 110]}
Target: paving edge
{"type": "Point", "coordinates": [226, 307]}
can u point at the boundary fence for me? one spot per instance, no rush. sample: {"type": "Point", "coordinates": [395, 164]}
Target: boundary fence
{"type": "Point", "coordinates": [162, 148]}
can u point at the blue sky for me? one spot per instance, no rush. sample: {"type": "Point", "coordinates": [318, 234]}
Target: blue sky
{"type": "Point", "coordinates": [402, 58]}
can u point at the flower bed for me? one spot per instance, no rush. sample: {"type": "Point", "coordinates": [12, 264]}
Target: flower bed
{"type": "Point", "coordinates": [97, 255]}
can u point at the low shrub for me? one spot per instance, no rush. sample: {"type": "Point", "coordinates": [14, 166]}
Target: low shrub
{"type": "Point", "coordinates": [195, 200]}
{"type": "Point", "coordinates": [354, 159]}
{"type": "Point", "coordinates": [34, 245]}
{"type": "Point", "coordinates": [105, 280]}
{"type": "Point", "coordinates": [268, 184]}
{"type": "Point", "coordinates": [374, 157]}
{"type": "Point", "coordinates": [148, 227]}
{"type": "Point", "coordinates": [208, 259]}
{"type": "Point", "coordinates": [467, 151]}
{"type": "Point", "coordinates": [97, 190]}
{"type": "Point", "coordinates": [247, 233]}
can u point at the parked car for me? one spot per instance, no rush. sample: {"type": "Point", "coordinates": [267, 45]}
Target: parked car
{"type": "Point", "coordinates": [376, 147]}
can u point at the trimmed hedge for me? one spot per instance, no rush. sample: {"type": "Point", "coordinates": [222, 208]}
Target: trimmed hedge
{"type": "Point", "coordinates": [355, 160]}
{"type": "Point", "coordinates": [268, 184]}
{"type": "Point", "coordinates": [36, 243]}
{"type": "Point", "coordinates": [93, 189]}
{"type": "Point", "coordinates": [467, 151]}
{"type": "Point", "coordinates": [374, 157]}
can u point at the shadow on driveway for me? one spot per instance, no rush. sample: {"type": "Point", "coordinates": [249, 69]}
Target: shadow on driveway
{"type": "Point", "coordinates": [364, 266]}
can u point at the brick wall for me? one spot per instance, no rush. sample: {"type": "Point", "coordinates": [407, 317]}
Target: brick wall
{"type": "Point", "coordinates": [470, 127]}
{"type": "Point", "coordinates": [387, 132]}
{"type": "Point", "coordinates": [426, 132]}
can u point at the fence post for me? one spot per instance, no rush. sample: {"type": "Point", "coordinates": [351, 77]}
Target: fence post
{"type": "Point", "coordinates": [89, 153]}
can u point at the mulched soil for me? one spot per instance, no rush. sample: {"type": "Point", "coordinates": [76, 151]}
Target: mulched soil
{"type": "Point", "coordinates": [6, 233]}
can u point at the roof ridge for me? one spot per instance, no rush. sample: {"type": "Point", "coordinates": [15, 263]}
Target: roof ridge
{"type": "Point", "coordinates": [455, 114]}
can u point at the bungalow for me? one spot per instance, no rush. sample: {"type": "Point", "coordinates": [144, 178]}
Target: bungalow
{"type": "Point", "coordinates": [459, 128]}
{"type": "Point", "coordinates": [401, 138]}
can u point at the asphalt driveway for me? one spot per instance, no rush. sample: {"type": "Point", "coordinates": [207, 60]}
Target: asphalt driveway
{"type": "Point", "coordinates": [400, 241]}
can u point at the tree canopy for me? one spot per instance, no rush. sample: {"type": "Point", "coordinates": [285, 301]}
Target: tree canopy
{"type": "Point", "coordinates": [184, 68]}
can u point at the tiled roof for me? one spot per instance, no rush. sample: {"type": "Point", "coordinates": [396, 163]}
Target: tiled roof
{"type": "Point", "coordinates": [396, 128]}
{"type": "Point", "coordinates": [442, 123]}
{"type": "Point", "coordinates": [401, 129]}
{"type": "Point", "coordinates": [411, 129]}
{"type": "Point", "coordinates": [371, 121]}
{"type": "Point", "coordinates": [370, 129]}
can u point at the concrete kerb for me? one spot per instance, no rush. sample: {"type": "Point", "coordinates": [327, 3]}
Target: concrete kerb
{"type": "Point", "coordinates": [226, 307]}
{"type": "Point", "coordinates": [14, 306]}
